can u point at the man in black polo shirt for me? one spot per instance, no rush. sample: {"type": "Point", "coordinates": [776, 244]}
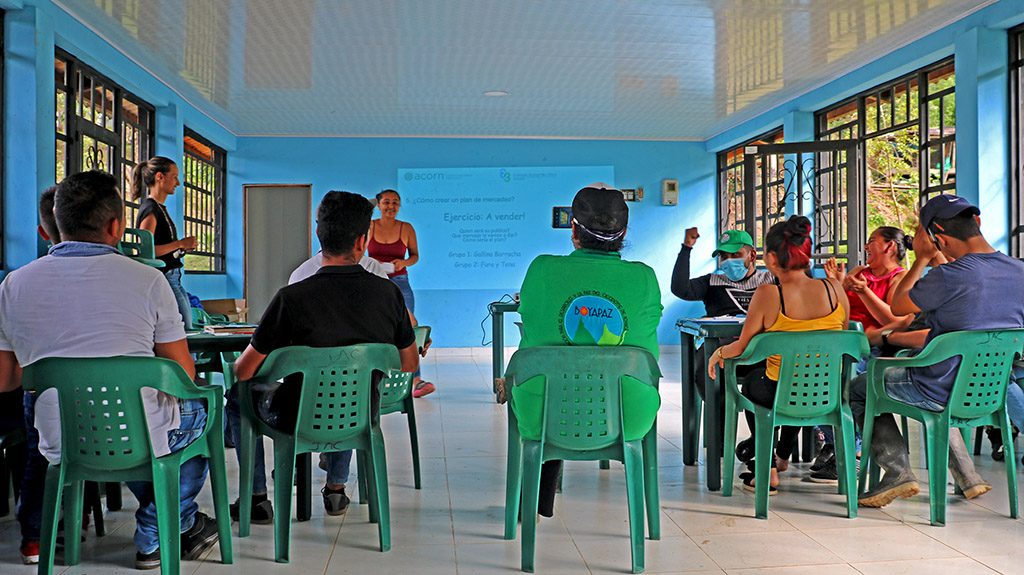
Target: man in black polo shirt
{"type": "Point", "coordinates": [341, 304]}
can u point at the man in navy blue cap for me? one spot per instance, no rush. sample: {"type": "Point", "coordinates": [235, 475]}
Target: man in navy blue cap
{"type": "Point", "coordinates": [970, 293]}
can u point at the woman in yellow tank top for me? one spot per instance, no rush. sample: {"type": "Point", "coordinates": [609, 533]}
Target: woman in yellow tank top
{"type": "Point", "coordinates": [798, 303]}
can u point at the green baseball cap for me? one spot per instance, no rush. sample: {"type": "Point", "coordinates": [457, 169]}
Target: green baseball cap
{"type": "Point", "coordinates": [731, 242]}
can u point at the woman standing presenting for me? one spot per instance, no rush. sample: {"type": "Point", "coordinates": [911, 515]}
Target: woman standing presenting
{"type": "Point", "coordinates": [388, 241]}
{"type": "Point", "coordinates": [159, 177]}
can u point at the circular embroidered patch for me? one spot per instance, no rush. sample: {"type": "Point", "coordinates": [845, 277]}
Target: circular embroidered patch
{"type": "Point", "coordinates": [590, 319]}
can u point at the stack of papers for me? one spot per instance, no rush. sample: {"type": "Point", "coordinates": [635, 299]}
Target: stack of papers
{"type": "Point", "coordinates": [230, 329]}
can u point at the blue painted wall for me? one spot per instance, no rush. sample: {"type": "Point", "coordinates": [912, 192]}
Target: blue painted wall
{"type": "Point", "coordinates": [368, 165]}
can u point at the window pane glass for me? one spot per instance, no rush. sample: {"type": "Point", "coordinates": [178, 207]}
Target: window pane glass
{"type": "Point", "coordinates": [870, 114]}
{"type": "Point", "coordinates": [203, 174]}
{"type": "Point", "coordinates": [62, 160]}
{"type": "Point", "coordinates": [62, 112]}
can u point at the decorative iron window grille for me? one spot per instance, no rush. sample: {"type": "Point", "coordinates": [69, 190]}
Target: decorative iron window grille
{"type": "Point", "coordinates": [99, 126]}
{"type": "Point", "coordinates": [734, 198]}
{"type": "Point", "coordinates": [906, 129]}
{"type": "Point", "coordinates": [204, 180]}
{"type": "Point", "coordinates": [1017, 141]}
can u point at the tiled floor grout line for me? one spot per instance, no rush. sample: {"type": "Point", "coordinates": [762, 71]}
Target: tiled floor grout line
{"type": "Point", "coordinates": [334, 546]}
{"type": "Point", "coordinates": [447, 483]}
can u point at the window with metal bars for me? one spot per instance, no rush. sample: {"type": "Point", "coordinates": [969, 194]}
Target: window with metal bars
{"type": "Point", "coordinates": [203, 176]}
{"type": "Point", "coordinates": [733, 198]}
{"type": "Point", "coordinates": [100, 126]}
{"type": "Point", "coordinates": [906, 129]}
{"type": "Point", "coordinates": [1017, 141]}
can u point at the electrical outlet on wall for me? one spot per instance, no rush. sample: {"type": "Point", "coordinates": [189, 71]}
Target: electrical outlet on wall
{"type": "Point", "coordinates": [669, 192]}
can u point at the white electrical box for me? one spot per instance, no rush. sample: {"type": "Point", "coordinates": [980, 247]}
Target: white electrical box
{"type": "Point", "coordinates": [669, 192]}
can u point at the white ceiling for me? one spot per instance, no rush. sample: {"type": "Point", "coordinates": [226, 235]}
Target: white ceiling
{"type": "Point", "coordinates": [616, 69]}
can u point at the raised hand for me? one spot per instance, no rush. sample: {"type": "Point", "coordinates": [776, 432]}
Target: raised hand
{"type": "Point", "coordinates": [835, 270]}
{"type": "Point", "coordinates": [691, 237]}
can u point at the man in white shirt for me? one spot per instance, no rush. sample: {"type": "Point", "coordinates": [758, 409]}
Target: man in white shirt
{"type": "Point", "coordinates": [86, 299]}
{"type": "Point", "coordinates": [310, 266]}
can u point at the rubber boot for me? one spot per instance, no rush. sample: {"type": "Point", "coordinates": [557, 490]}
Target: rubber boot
{"type": "Point", "coordinates": [961, 467]}
{"type": "Point", "coordinates": [888, 451]}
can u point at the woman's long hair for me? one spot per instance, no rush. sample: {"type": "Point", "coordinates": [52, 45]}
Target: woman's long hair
{"type": "Point", "coordinates": [144, 174]}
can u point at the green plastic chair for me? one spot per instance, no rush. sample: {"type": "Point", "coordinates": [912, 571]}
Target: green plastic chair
{"type": "Point", "coordinates": [108, 390]}
{"type": "Point", "coordinates": [334, 415]}
{"type": "Point", "coordinates": [396, 397]}
{"type": "Point", "coordinates": [582, 421]}
{"type": "Point", "coordinates": [978, 397]}
{"type": "Point", "coordinates": [138, 245]}
{"type": "Point", "coordinates": [815, 367]}
{"type": "Point", "coordinates": [200, 318]}
{"type": "Point", "coordinates": [207, 362]}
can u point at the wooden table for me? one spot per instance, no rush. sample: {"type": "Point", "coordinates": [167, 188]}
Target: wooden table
{"type": "Point", "coordinates": [199, 342]}
{"type": "Point", "coordinates": [713, 330]}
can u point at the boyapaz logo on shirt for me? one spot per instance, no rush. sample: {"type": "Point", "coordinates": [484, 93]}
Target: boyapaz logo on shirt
{"type": "Point", "coordinates": [593, 318]}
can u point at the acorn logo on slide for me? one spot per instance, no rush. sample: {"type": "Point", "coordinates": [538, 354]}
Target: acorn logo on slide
{"type": "Point", "coordinates": [410, 176]}
{"type": "Point", "coordinates": [593, 318]}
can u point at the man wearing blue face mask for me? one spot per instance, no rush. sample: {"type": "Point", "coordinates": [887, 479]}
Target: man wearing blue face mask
{"type": "Point", "coordinates": [727, 293]}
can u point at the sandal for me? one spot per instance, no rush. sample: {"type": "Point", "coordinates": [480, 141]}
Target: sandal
{"type": "Point", "coordinates": [748, 484]}
{"type": "Point", "coordinates": [423, 388]}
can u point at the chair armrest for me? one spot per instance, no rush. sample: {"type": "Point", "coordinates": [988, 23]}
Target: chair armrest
{"type": "Point", "coordinates": [190, 390]}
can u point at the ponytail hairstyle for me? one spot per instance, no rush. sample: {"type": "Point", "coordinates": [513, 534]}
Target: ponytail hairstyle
{"type": "Point", "coordinates": [144, 174]}
{"type": "Point", "coordinates": [903, 241]}
{"type": "Point", "coordinates": [790, 241]}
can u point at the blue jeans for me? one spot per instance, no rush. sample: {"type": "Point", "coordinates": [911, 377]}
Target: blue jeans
{"type": "Point", "coordinates": [174, 279]}
{"type": "Point", "coordinates": [862, 365]}
{"type": "Point", "coordinates": [1015, 397]}
{"type": "Point", "coordinates": [898, 385]}
{"type": "Point", "coordinates": [338, 463]}
{"type": "Point", "coordinates": [30, 507]}
{"type": "Point", "coordinates": [402, 282]}
{"type": "Point", "coordinates": [193, 475]}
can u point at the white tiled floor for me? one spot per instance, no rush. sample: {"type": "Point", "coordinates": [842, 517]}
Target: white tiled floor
{"type": "Point", "coordinates": [454, 524]}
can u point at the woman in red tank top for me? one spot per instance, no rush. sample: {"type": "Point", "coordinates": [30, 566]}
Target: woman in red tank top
{"type": "Point", "coordinates": [871, 287]}
{"type": "Point", "coordinates": [387, 242]}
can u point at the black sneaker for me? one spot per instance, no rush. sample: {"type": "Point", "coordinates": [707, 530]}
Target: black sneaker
{"type": "Point", "coordinates": [827, 451]}
{"type": "Point", "coordinates": [745, 450]}
{"type": "Point", "coordinates": [199, 538]}
{"type": "Point", "coordinates": [995, 439]}
{"type": "Point", "coordinates": [262, 511]}
{"type": "Point", "coordinates": [828, 473]}
{"type": "Point", "coordinates": [147, 560]}
{"type": "Point", "coordinates": [335, 502]}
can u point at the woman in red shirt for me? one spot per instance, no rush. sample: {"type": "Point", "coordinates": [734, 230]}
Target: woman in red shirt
{"type": "Point", "coordinates": [871, 287]}
{"type": "Point", "coordinates": [388, 242]}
